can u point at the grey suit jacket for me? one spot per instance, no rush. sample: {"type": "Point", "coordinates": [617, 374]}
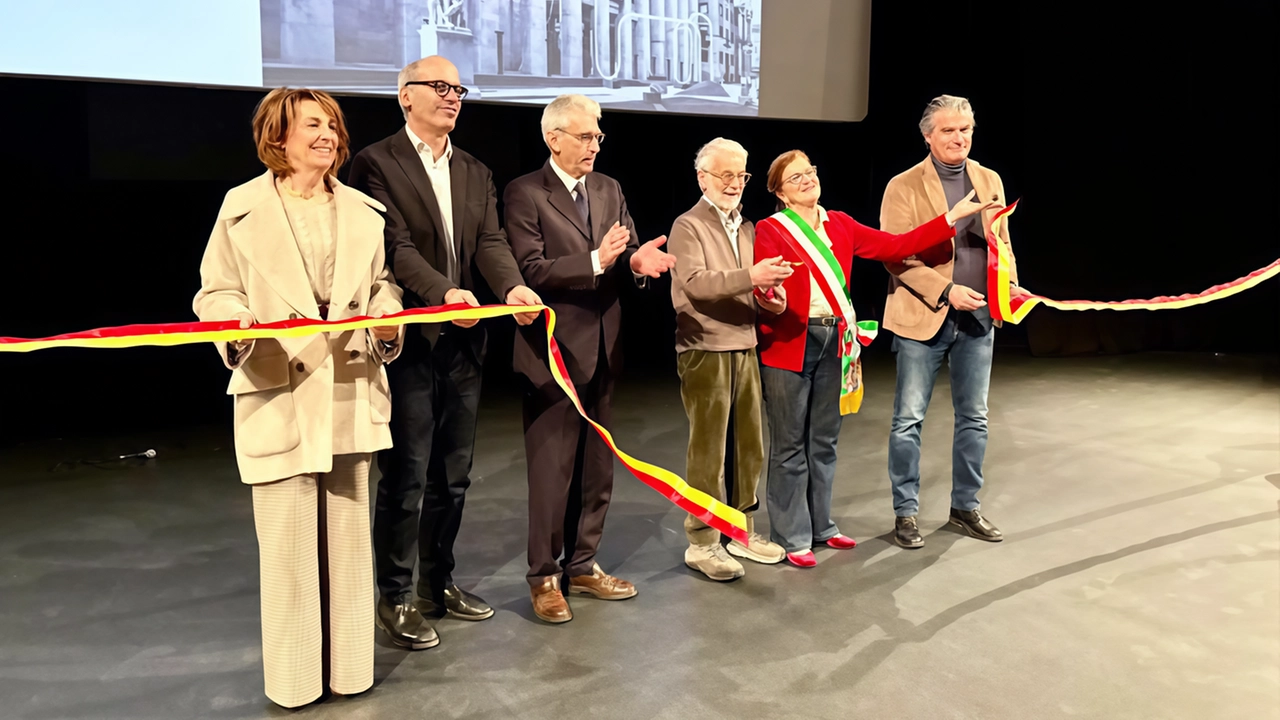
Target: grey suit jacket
{"type": "Point", "coordinates": [553, 250]}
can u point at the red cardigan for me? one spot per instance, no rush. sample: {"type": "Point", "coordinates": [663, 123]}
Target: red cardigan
{"type": "Point", "coordinates": [782, 337]}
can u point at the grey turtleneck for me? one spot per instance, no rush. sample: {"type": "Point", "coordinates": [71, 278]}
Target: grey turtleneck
{"type": "Point", "coordinates": [971, 247]}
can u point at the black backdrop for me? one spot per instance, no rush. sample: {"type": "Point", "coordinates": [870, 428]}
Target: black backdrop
{"type": "Point", "coordinates": [1139, 141]}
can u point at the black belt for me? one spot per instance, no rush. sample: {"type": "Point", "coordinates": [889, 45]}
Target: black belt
{"type": "Point", "coordinates": [824, 321]}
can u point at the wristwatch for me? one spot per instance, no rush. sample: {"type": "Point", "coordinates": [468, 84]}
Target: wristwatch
{"type": "Point", "coordinates": [945, 300]}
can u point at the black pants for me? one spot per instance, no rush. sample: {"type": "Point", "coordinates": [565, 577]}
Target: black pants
{"type": "Point", "coordinates": [570, 475]}
{"type": "Point", "coordinates": [435, 394]}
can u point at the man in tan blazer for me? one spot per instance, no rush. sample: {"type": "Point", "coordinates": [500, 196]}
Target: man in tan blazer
{"type": "Point", "coordinates": [712, 290]}
{"type": "Point", "coordinates": [937, 308]}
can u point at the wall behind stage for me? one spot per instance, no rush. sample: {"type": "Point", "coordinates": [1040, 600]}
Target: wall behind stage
{"type": "Point", "coordinates": [1136, 143]}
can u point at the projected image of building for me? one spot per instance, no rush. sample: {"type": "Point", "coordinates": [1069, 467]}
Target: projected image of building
{"type": "Point", "coordinates": [693, 56]}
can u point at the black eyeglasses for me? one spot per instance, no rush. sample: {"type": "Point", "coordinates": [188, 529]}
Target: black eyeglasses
{"type": "Point", "coordinates": [441, 87]}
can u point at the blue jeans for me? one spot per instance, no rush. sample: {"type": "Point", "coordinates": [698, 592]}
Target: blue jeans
{"type": "Point", "coordinates": [804, 424]}
{"type": "Point", "coordinates": [969, 348]}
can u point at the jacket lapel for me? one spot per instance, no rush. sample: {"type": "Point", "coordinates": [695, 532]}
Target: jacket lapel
{"type": "Point", "coordinates": [933, 187]}
{"type": "Point", "coordinates": [410, 162]}
{"type": "Point", "coordinates": [595, 208]}
{"type": "Point", "coordinates": [746, 244]}
{"type": "Point", "coordinates": [982, 192]}
{"type": "Point", "coordinates": [458, 189]}
{"type": "Point", "coordinates": [264, 237]}
{"type": "Point", "coordinates": [356, 237]}
{"type": "Point", "coordinates": [562, 201]}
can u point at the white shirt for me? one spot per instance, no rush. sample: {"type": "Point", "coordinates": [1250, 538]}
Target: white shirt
{"type": "Point", "coordinates": [731, 222]}
{"type": "Point", "coordinates": [438, 174]}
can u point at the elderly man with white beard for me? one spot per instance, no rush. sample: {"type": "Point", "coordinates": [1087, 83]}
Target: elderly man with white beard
{"type": "Point", "coordinates": [716, 292]}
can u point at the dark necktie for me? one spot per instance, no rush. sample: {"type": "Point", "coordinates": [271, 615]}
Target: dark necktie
{"type": "Point", "coordinates": [581, 201]}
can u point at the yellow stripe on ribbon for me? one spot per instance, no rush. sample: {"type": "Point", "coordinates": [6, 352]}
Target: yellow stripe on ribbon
{"type": "Point", "coordinates": [1013, 308]}
{"type": "Point", "coordinates": [724, 518]}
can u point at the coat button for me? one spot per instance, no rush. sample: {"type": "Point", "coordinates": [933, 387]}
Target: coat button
{"type": "Point", "coordinates": [293, 316]}
{"type": "Point", "coordinates": [353, 305]}
{"type": "Point", "coordinates": [355, 354]}
{"type": "Point", "coordinates": [300, 367]}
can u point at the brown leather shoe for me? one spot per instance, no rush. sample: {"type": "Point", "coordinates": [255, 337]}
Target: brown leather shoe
{"type": "Point", "coordinates": [548, 603]}
{"type": "Point", "coordinates": [600, 585]}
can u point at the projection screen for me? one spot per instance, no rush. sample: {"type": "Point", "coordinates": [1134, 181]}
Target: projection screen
{"type": "Point", "coordinates": [767, 58]}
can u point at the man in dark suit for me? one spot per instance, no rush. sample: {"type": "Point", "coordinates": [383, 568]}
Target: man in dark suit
{"type": "Point", "coordinates": [443, 240]}
{"type": "Point", "coordinates": [577, 246]}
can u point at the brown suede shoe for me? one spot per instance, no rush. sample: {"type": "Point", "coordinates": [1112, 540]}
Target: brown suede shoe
{"type": "Point", "coordinates": [549, 603]}
{"type": "Point", "coordinates": [600, 585]}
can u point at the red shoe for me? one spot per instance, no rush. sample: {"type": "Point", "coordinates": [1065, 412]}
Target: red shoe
{"type": "Point", "coordinates": [802, 559]}
{"type": "Point", "coordinates": [842, 542]}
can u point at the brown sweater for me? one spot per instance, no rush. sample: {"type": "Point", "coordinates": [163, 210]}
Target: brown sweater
{"type": "Point", "coordinates": [710, 287]}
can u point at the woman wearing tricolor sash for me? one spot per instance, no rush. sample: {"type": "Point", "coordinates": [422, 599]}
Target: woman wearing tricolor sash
{"type": "Point", "coordinates": [810, 373]}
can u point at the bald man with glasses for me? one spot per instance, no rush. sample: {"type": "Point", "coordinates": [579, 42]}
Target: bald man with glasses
{"type": "Point", "coordinates": [443, 242]}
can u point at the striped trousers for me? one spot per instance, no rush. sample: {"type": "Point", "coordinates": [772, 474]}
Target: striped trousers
{"type": "Point", "coordinates": [314, 529]}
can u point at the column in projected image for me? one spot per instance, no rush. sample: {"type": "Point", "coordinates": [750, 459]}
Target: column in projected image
{"type": "Point", "coordinates": [699, 56]}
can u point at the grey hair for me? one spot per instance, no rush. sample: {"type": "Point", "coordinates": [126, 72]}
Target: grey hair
{"type": "Point", "coordinates": [716, 147]}
{"type": "Point", "coordinates": [408, 74]}
{"type": "Point", "coordinates": [556, 113]}
{"type": "Point", "coordinates": [945, 102]}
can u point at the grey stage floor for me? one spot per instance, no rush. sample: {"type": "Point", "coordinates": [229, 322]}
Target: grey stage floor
{"type": "Point", "coordinates": [1140, 578]}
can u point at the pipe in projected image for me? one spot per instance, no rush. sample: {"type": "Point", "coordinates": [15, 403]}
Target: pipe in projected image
{"type": "Point", "coordinates": [686, 29]}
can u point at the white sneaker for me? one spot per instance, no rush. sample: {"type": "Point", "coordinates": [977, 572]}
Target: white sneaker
{"type": "Point", "coordinates": [758, 549]}
{"type": "Point", "coordinates": [714, 562]}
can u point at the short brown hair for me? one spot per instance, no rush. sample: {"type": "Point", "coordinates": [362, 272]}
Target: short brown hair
{"type": "Point", "coordinates": [271, 126]}
{"type": "Point", "coordinates": [777, 167]}
{"type": "Point", "coordinates": [779, 164]}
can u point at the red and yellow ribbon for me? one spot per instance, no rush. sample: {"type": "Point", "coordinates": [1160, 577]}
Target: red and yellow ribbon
{"type": "Point", "coordinates": [1013, 308]}
{"type": "Point", "coordinates": [724, 518]}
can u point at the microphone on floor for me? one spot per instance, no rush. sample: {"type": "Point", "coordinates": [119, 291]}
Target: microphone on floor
{"type": "Point", "coordinates": [148, 455]}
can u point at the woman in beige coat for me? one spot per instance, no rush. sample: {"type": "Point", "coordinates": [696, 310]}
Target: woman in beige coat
{"type": "Point", "coordinates": [309, 412]}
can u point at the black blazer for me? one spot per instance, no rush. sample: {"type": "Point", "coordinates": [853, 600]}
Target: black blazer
{"type": "Point", "coordinates": [553, 247]}
{"type": "Point", "coordinates": [391, 171]}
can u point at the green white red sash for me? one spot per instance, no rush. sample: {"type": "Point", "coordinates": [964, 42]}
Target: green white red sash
{"type": "Point", "coordinates": [826, 271]}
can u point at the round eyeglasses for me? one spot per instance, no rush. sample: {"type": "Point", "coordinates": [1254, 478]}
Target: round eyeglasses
{"type": "Point", "coordinates": [441, 87]}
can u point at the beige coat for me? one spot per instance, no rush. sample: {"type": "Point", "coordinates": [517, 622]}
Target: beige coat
{"type": "Point", "coordinates": [913, 198]}
{"type": "Point", "coordinates": [300, 401]}
{"type": "Point", "coordinates": [710, 288]}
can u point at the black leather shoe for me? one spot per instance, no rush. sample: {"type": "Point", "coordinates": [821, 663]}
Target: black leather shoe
{"type": "Point", "coordinates": [458, 603]}
{"type": "Point", "coordinates": [405, 625]}
{"type": "Point", "coordinates": [972, 522]}
{"type": "Point", "coordinates": [906, 533]}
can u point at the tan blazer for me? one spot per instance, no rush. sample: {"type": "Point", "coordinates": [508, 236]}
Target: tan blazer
{"type": "Point", "coordinates": [913, 198]}
{"type": "Point", "coordinates": [300, 401]}
{"type": "Point", "coordinates": [710, 288]}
